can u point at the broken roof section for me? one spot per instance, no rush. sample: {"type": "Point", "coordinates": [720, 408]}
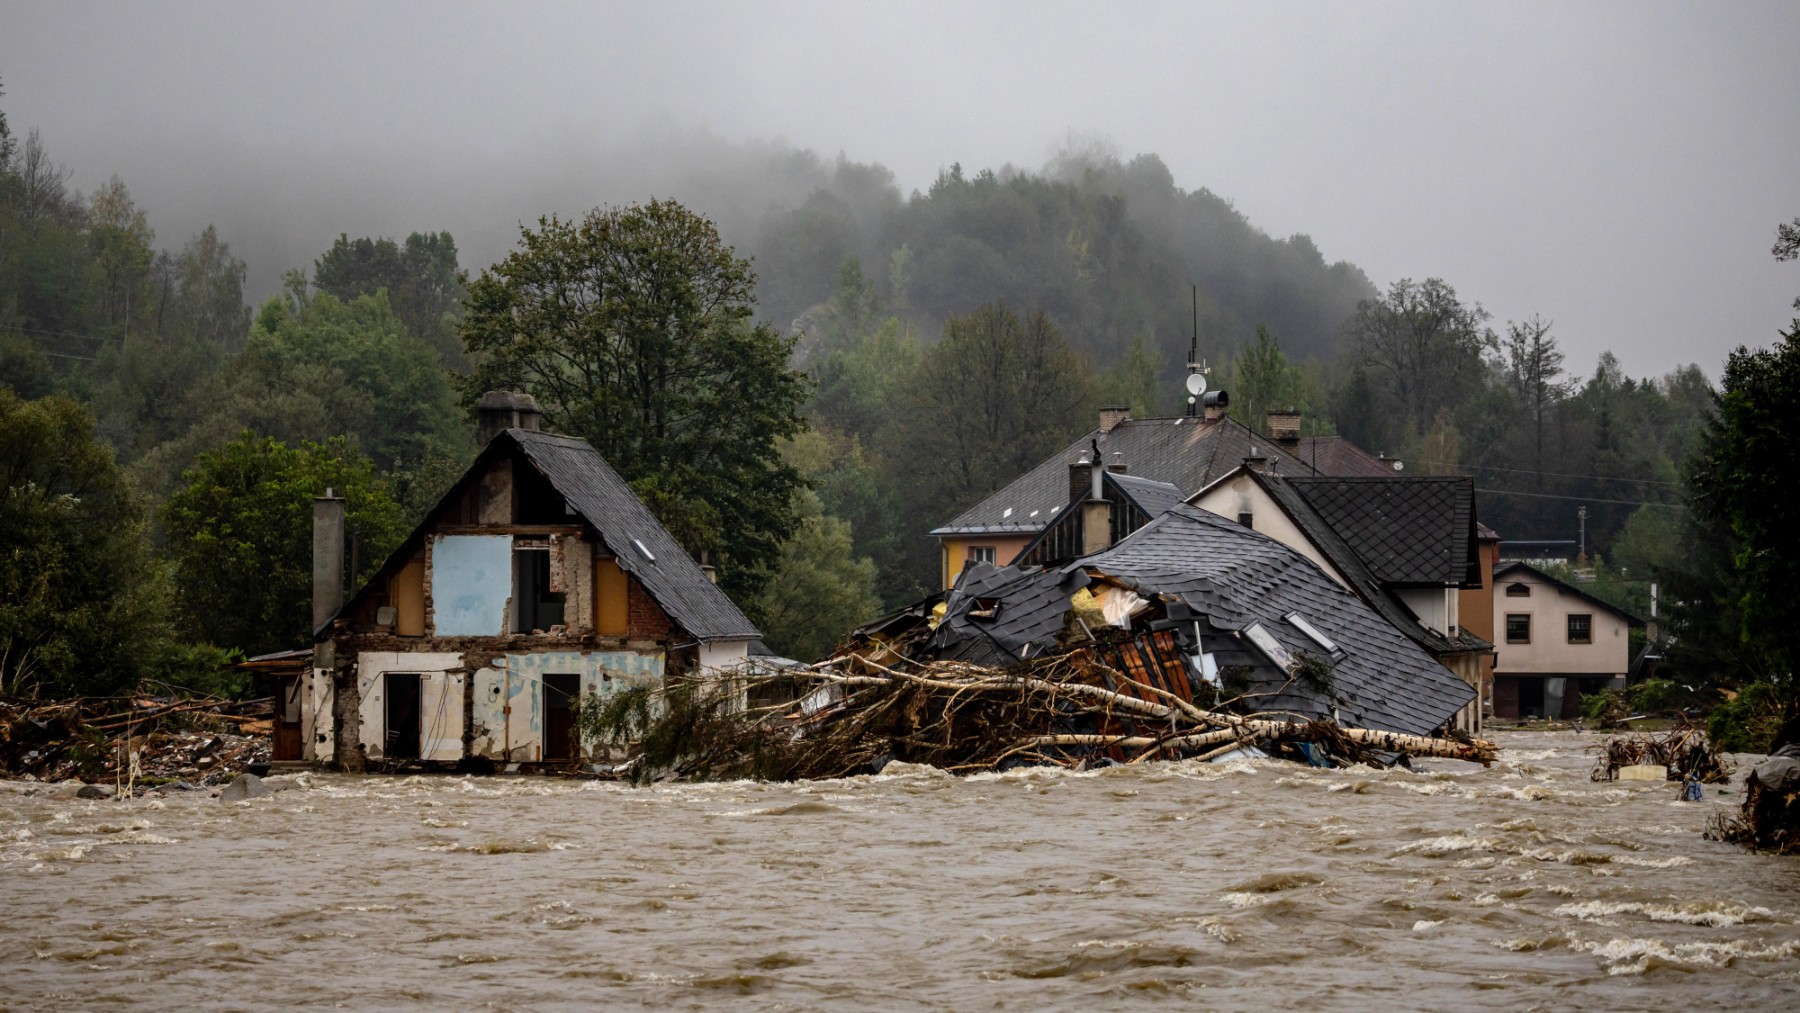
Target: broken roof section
{"type": "Point", "coordinates": [1258, 607]}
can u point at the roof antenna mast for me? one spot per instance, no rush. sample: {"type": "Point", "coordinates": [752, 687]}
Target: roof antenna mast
{"type": "Point", "coordinates": [1197, 367]}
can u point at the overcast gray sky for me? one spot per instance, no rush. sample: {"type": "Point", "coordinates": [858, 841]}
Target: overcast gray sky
{"type": "Point", "coordinates": [1618, 168]}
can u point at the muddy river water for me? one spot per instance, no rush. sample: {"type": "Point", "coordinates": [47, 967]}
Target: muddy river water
{"type": "Point", "coordinates": [1244, 885]}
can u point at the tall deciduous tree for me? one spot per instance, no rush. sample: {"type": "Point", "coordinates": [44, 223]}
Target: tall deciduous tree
{"type": "Point", "coordinates": [1423, 346]}
{"type": "Point", "coordinates": [81, 602]}
{"type": "Point", "coordinates": [240, 535]}
{"type": "Point", "coordinates": [633, 329]}
{"type": "Point", "coordinates": [1534, 368]}
{"type": "Point", "coordinates": [818, 589]}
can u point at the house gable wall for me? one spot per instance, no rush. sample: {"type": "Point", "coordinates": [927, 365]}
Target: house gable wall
{"type": "Point", "coordinates": [1549, 653]}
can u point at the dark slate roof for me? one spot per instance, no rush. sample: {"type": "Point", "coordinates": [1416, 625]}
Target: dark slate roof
{"type": "Point", "coordinates": [596, 491]}
{"type": "Point", "coordinates": [1364, 581]}
{"type": "Point", "coordinates": [1186, 453]}
{"type": "Point", "coordinates": [1502, 569]}
{"type": "Point", "coordinates": [1236, 576]}
{"type": "Point", "coordinates": [1028, 609]}
{"type": "Point", "coordinates": [1334, 455]}
{"type": "Point", "coordinates": [1416, 531]}
{"type": "Point", "coordinates": [1151, 496]}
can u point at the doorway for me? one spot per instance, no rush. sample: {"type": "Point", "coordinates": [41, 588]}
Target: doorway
{"type": "Point", "coordinates": [562, 695]}
{"type": "Point", "coordinates": [402, 707]}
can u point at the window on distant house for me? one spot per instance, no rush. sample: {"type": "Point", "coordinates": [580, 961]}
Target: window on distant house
{"type": "Point", "coordinates": [981, 553]}
{"type": "Point", "coordinates": [1518, 627]}
{"type": "Point", "coordinates": [1581, 628]}
{"type": "Point", "coordinates": [1518, 591]}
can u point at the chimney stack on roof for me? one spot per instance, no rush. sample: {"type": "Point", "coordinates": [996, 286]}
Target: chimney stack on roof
{"type": "Point", "coordinates": [1215, 402]}
{"type": "Point", "coordinates": [1284, 426]}
{"type": "Point", "coordinates": [500, 410]}
{"type": "Point", "coordinates": [328, 556]}
{"type": "Point", "coordinates": [1112, 415]}
{"type": "Point", "coordinates": [1117, 464]}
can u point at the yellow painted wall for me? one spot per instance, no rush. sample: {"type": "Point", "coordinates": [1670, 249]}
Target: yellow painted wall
{"type": "Point", "coordinates": [407, 592]}
{"type": "Point", "coordinates": [956, 552]}
{"type": "Point", "coordinates": [612, 601]}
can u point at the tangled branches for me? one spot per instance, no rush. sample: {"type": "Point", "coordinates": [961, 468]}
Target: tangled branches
{"type": "Point", "coordinates": [1686, 752]}
{"type": "Point", "coordinates": [850, 714]}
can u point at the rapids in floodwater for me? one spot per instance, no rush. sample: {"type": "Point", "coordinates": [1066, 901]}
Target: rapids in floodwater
{"type": "Point", "coordinates": [1232, 886]}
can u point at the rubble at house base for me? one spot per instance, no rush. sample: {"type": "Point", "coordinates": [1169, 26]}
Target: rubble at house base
{"type": "Point", "coordinates": [100, 741]}
{"type": "Point", "coordinates": [864, 708]}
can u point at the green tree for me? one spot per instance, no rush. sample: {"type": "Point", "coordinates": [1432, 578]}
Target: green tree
{"type": "Point", "coordinates": [997, 395]}
{"type": "Point", "coordinates": [818, 589]}
{"type": "Point", "coordinates": [1533, 367]}
{"type": "Point", "coordinates": [1422, 346]}
{"type": "Point", "coordinates": [1263, 379]}
{"type": "Point", "coordinates": [422, 279]}
{"type": "Point", "coordinates": [81, 602]}
{"type": "Point", "coordinates": [633, 329]}
{"type": "Point", "coordinates": [240, 536]}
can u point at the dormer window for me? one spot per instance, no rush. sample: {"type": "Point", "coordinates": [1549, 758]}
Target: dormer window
{"type": "Point", "coordinates": [1518, 591]}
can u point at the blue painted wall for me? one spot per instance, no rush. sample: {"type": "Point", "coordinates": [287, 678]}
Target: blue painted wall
{"type": "Point", "coordinates": [471, 582]}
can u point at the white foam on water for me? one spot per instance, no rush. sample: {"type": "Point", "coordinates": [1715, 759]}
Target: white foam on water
{"type": "Point", "coordinates": [1633, 956]}
{"type": "Point", "coordinates": [1712, 913]}
{"type": "Point", "coordinates": [1425, 926]}
{"type": "Point", "coordinates": [1243, 900]}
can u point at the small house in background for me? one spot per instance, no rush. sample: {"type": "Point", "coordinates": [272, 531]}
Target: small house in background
{"type": "Point", "coordinates": [1187, 453]}
{"type": "Point", "coordinates": [1556, 643]}
{"type": "Point", "coordinates": [538, 578]}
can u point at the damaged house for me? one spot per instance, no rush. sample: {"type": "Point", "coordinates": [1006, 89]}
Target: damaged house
{"type": "Point", "coordinates": [1204, 609]}
{"type": "Point", "coordinates": [538, 578]}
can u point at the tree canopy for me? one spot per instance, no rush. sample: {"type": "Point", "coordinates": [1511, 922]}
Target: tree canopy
{"type": "Point", "coordinates": [240, 536]}
{"type": "Point", "coordinates": [633, 329]}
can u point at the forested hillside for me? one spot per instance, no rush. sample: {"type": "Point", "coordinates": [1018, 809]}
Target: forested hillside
{"type": "Point", "coordinates": [948, 338]}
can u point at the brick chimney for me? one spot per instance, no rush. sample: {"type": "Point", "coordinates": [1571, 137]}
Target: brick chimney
{"type": "Point", "coordinates": [1117, 464]}
{"type": "Point", "coordinates": [1215, 402]}
{"type": "Point", "coordinates": [500, 410]}
{"type": "Point", "coordinates": [1284, 426]}
{"type": "Point", "coordinates": [1081, 477]}
{"type": "Point", "coordinates": [1112, 415]}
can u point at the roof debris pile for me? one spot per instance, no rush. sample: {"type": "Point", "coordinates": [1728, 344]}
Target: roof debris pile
{"type": "Point", "coordinates": [199, 741]}
{"type": "Point", "coordinates": [1093, 706]}
{"type": "Point", "coordinates": [1685, 752]}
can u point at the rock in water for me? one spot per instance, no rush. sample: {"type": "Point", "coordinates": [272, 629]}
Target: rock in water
{"type": "Point", "coordinates": [243, 788]}
{"type": "Point", "coordinates": [94, 791]}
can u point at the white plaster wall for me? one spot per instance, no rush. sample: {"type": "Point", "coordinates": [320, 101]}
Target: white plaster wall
{"type": "Point", "coordinates": [1229, 498]}
{"type": "Point", "coordinates": [1550, 651]}
{"type": "Point", "coordinates": [1435, 606]}
{"type": "Point", "coordinates": [440, 700]}
{"type": "Point", "coordinates": [723, 653]}
{"type": "Point", "coordinates": [318, 728]}
{"type": "Point", "coordinates": [518, 737]}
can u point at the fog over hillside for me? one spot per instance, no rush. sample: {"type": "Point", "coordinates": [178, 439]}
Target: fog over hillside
{"type": "Point", "coordinates": [1618, 168]}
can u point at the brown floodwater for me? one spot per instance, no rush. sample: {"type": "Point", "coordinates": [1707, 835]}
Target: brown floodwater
{"type": "Point", "coordinates": [1233, 886]}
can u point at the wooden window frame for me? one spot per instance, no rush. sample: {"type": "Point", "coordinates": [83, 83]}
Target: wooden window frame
{"type": "Point", "coordinates": [1569, 627]}
{"type": "Point", "coordinates": [1510, 616]}
{"type": "Point", "coordinates": [981, 554]}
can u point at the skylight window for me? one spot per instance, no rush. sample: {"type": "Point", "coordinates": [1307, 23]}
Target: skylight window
{"type": "Point", "coordinates": [640, 548]}
{"type": "Point", "coordinates": [1312, 632]}
{"type": "Point", "coordinates": [1270, 647]}
{"type": "Point", "coordinates": [1006, 513]}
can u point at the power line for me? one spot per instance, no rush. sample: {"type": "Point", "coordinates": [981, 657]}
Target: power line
{"type": "Point", "coordinates": [1550, 474]}
{"type": "Point", "coordinates": [1582, 499]}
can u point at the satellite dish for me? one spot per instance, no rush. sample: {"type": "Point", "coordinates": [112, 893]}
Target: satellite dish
{"type": "Point", "coordinates": [1196, 384]}
{"type": "Point", "coordinates": [1399, 466]}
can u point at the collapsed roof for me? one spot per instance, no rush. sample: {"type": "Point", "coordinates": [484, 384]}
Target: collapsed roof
{"type": "Point", "coordinates": [1274, 625]}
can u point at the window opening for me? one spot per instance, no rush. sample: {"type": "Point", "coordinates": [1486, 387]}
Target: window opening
{"type": "Point", "coordinates": [1312, 632]}
{"type": "Point", "coordinates": [1581, 628]}
{"type": "Point", "coordinates": [535, 605]}
{"type": "Point", "coordinates": [1518, 591]}
{"type": "Point", "coordinates": [981, 554]}
{"type": "Point", "coordinates": [1518, 627]}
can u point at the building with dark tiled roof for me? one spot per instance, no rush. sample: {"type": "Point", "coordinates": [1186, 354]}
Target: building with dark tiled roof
{"type": "Point", "coordinates": [1244, 609]}
{"type": "Point", "coordinates": [1409, 548]}
{"type": "Point", "coordinates": [1186, 453]}
{"type": "Point", "coordinates": [538, 578]}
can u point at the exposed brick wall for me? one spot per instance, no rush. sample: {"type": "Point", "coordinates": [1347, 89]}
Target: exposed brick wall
{"type": "Point", "coordinates": [648, 621]}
